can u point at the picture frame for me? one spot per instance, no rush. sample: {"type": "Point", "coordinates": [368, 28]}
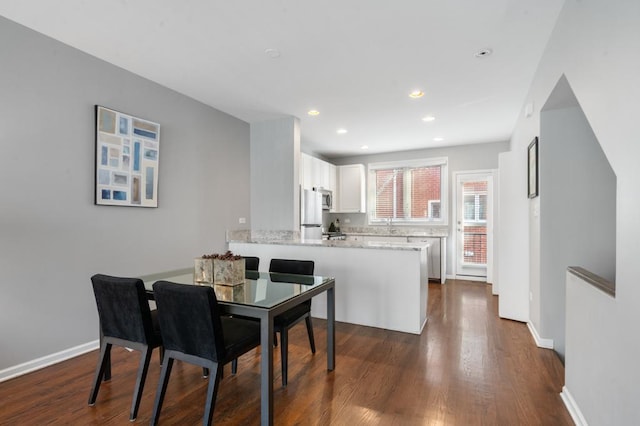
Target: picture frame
{"type": "Point", "coordinates": [127, 159]}
{"type": "Point", "coordinates": [532, 157]}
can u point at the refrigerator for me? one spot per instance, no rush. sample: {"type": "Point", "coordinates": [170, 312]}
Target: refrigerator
{"type": "Point", "coordinates": [310, 215]}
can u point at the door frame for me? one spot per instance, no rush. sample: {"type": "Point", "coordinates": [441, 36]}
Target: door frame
{"type": "Point", "coordinates": [492, 178]}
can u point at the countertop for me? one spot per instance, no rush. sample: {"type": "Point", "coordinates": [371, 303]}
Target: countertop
{"type": "Point", "coordinates": [411, 235]}
{"type": "Point", "coordinates": [383, 231]}
{"type": "Point", "coordinates": [380, 245]}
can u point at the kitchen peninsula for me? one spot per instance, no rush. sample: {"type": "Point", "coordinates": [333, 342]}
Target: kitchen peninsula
{"type": "Point", "coordinates": [378, 284]}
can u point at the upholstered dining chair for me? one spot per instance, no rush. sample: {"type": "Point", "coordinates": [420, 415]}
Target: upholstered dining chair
{"type": "Point", "coordinates": [125, 320]}
{"type": "Point", "coordinates": [283, 322]}
{"type": "Point", "coordinates": [194, 331]}
{"type": "Point", "coordinates": [251, 263]}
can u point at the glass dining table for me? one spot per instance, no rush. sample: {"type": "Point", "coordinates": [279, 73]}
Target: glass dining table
{"type": "Point", "coordinates": [264, 295]}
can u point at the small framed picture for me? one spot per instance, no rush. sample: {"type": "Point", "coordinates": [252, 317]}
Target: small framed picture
{"type": "Point", "coordinates": [532, 154]}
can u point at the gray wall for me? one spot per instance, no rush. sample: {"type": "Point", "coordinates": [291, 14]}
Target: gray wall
{"type": "Point", "coordinates": [275, 191]}
{"type": "Point", "coordinates": [53, 238]}
{"type": "Point", "coordinates": [577, 211]}
{"type": "Point", "coordinates": [461, 158]}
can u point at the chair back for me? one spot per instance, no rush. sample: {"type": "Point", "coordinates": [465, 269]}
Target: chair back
{"type": "Point", "coordinates": [189, 318]}
{"type": "Point", "coordinates": [289, 266]}
{"type": "Point", "coordinates": [251, 263]}
{"type": "Point", "coordinates": [123, 309]}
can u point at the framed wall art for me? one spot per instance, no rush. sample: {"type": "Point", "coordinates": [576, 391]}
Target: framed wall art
{"type": "Point", "coordinates": [532, 154]}
{"type": "Point", "coordinates": [127, 159]}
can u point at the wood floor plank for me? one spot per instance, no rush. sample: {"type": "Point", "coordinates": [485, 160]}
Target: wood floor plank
{"type": "Point", "coordinates": [468, 367]}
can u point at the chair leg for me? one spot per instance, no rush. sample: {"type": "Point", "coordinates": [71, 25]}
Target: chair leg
{"type": "Point", "coordinates": [103, 360]}
{"type": "Point", "coordinates": [143, 368]}
{"type": "Point", "coordinates": [107, 369]}
{"type": "Point", "coordinates": [165, 372]}
{"type": "Point", "coordinates": [212, 393]}
{"type": "Point", "coordinates": [312, 341]}
{"type": "Point", "coordinates": [205, 372]}
{"type": "Point", "coordinates": [161, 354]}
{"type": "Point", "coordinates": [284, 353]}
{"type": "Point", "coordinates": [234, 366]}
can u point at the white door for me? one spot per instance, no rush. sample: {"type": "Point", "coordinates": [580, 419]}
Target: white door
{"type": "Point", "coordinates": [474, 225]}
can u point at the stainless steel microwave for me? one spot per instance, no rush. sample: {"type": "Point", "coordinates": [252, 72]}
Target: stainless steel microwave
{"type": "Point", "coordinates": [327, 197]}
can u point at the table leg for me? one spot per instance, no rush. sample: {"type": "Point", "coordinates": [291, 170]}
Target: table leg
{"type": "Point", "coordinates": [266, 370]}
{"type": "Point", "coordinates": [331, 329]}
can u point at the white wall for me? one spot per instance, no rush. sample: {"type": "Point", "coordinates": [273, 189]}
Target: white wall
{"type": "Point", "coordinates": [52, 236]}
{"type": "Point", "coordinates": [513, 251]}
{"type": "Point", "coordinates": [588, 309]}
{"type": "Point", "coordinates": [461, 158]}
{"type": "Point", "coordinates": [596, 45]}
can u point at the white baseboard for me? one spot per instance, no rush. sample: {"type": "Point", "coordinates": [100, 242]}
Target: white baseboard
{"type": "Point", "coordinates": [47, 360]}
{"type": "Point", "coordinates": [540, 342]}
{"type": "Point", "coordinates": [572, 407]}
{"type": "Point", "coordinates": [470, 278]}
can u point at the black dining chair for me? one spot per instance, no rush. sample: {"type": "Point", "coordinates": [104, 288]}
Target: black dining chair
{"type": "Point", "coordinates": [283, 322]}
{"type": "Point", "coordinates": [125, 320]}
{"type": "Point", "coordinates": [194, 331]}
{"type": "Point", "coordinates": [251, 263]}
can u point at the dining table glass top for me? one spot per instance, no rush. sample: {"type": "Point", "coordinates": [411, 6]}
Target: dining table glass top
{"type": "Point", "coordinates": [260, 289]}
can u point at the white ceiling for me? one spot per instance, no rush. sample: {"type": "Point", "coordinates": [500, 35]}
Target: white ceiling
{"type": "Point", "coordinates": [353, 60]}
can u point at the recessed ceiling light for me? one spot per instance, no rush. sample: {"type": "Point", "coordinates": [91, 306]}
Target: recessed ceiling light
{"type": "Point", "coordinates": [483, 52]}
{"type": "Point", "coordinates": [416, 94]}
{"type": "Point", "coordinates": [272, 53]}
{"type": "Point", "coordinates": [438, 139]}
{"type": "Point", "coordinates": [364, 147]}
{"type": "Point", "coordinates": [341, 131]}
{"type": "Point", "coordinates": [313, 112]}
{"type": "Point", "coordinates": [428, 118]}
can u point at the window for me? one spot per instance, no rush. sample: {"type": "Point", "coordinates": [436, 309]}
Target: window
{"type": "Point", "coordinates": [410, 192]}
{"type": "Point", "coordinates": [475, 207]}
{"type": "Point", "coordinates": [474, 225]}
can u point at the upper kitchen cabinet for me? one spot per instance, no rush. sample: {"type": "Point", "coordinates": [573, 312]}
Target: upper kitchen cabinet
{"type": "Point", "coordinates": [333, 180]}
{"type": "Point", "coordinates": [306, 172]}
{"type": "Point", "coordinates": [327, 175]}
{"type": "Point", "coordinates": [351, 189]}
{"type": "Point", "coordinates": [316, 173]}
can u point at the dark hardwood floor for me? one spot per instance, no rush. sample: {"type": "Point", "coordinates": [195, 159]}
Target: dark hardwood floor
{"type": "Point", "coordinates": [467, 368]}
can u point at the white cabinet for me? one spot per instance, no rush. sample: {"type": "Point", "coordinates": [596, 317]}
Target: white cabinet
{"type": "Point", "coordinates": [351, 189]}
{"type": "Point", "coordinates": [306, 171]}
{"type": "Point", "coordinates": [346, 182]}
{"type": "Point", "coordinates": [386, 238]}
{"type": "Point", "coordinates": [333, 181]}
{"type": "Point", "coordinates": [316, 173]}
{"type": "Point", "coordinates": [437, 251]}
{"type": "Point", "coordinates": [323, 176]}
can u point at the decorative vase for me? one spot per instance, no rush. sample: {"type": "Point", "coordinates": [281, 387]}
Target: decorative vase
{"type": "Point", "coordinates": [203, 271]}
{"type": "Point", "coordinates": [228, 272]}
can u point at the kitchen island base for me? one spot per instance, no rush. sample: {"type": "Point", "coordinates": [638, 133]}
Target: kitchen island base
{"type": "Point", "coordinates": [380, 285]}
